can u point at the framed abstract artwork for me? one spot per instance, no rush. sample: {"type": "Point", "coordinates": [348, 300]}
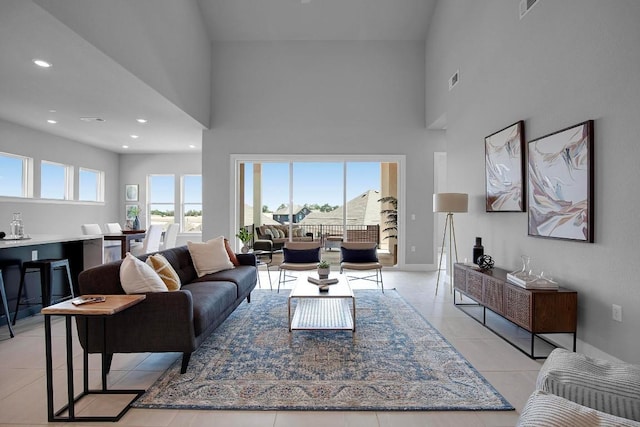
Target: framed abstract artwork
{"type": "Point", "coordinates": [504, 169]}
{"type": "Point", "coordinates": [131, 193]}
{"type": "Point", "coordinates": [560, 181]}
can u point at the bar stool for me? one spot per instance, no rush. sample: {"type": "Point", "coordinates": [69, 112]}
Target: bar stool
{"type": "Point", "coordinates": [3, 292]}
{"type": "Point", "coordinates": [45, 267]}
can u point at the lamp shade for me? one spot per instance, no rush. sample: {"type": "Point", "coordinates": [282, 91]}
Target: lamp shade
{"type": "Point", "coordinates": [450, 202]}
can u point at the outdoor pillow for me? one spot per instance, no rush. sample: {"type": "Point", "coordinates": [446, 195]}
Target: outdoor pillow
{"type": "Point", "coordinates": [232, 255]}
{"type": "Point", "coordinates": [136, 277]}
{"type": "Point", "coordinates": [166, 272]}
{"type": "Point", "coordinates": [359, 255]}
{"type": "Point", "coordinates": [209, 257]}
{"type": "Point", "coordinates": [300, 256]}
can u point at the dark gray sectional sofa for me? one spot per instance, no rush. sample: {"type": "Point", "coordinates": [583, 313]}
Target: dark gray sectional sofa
{"type": "Point", "coordinates": [177, 321]}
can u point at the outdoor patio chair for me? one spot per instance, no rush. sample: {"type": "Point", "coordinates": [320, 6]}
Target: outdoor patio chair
{"type": "Point", "coordinates": [361, 256]}
{"type": "Point", "coordinates": [298, 256]}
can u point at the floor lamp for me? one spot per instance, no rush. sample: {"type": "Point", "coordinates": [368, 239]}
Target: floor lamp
{"type": "Point", "coordinates": [449, 203]}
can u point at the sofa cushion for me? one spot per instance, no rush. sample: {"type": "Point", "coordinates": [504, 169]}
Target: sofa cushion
{"type": "Point", "coordinates": [136, 277]}
{"type": "Point", "coordinates": [359, 255]}
{"type": "Point", "coordinates": [210, 300]}
{"type": "Point", "coordinates": [164, 269]}
{"type": "Point", "coordinates": [300, 256]}
{"type": "Point", "coordinates": [244, 277]}
{"type": "Point", "coordinates": [210, 256]}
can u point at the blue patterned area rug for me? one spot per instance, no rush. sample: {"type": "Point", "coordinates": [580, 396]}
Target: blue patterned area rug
{"type": "Point", "coordinates": [395, 361]}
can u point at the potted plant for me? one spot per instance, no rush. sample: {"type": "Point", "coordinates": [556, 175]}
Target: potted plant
{"type": "Point", "coordinates": [391, 222]}
{"type": "Point", "coordinates": [245, 237]}
{"type": "Point", "coordinates": [323, 269]}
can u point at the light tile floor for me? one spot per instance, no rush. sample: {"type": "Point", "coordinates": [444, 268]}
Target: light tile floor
{"type": "Point", "coordinates": [23, 385]}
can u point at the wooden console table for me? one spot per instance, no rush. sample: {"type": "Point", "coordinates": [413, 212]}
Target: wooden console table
{"type": "Point", "coordinates": [536, 311]}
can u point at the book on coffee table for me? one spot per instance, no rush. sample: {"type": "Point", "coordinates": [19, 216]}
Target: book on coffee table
{"type": "Point", "coordinates": [322, 282]}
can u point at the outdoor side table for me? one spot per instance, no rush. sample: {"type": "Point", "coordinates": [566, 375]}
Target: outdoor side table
{"type": "Point", "coordinates": [111, 306]}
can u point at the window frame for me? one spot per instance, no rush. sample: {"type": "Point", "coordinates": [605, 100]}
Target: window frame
{"type": "Point", "coordinates": [68, 180]}
{"type": "Point", "coordinates": [26, 190]}
{"type": "Point", "coordinates": [100, 182]}
{"type": "Point", "coordinates": [149, 203]}
{"type": "Point", "coordinates": [183, 202]}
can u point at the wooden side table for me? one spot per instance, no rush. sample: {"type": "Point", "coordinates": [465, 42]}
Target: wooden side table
{"type": "Point", "coordinates": [113, 305]}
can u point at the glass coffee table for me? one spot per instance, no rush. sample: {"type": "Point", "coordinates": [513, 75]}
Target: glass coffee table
{"type": "Point", "coordinates": [315, 310]}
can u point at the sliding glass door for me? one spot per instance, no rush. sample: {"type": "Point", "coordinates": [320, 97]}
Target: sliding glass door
{"type": "Point", "coordinates": [328, 200]}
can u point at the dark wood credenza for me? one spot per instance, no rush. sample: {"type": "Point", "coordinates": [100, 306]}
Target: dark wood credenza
{"type": "Point", "coordinates": [536, 311]}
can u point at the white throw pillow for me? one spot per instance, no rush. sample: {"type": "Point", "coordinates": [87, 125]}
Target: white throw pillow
{"type": "Point", "coordinates": [209, 257]}
{"type": "Point", "coordinates": [136, 277]}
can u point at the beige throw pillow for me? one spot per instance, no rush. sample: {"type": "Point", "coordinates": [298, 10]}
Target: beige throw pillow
{"type": "Point", "coordinates": [209, 257]}
{"type": "Point", "coordinates": [136, 277]}
{"type": "Point", "coordinates": [166, 272]}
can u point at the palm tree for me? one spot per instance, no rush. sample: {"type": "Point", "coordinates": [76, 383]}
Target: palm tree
{"type": "Point", "coordinates": [392, 217]}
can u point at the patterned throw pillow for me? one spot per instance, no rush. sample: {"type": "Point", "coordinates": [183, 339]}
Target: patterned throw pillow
{"type": "Point", "coordinates": [166, 272]}
{"type": "Point", "coordinates": [209, 257]}
{"type": "Point", "coordinates": [136, 277]}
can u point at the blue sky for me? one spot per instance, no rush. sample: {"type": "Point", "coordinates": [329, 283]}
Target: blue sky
{"type": "Point", "coordinates": [10, 176]}
{"type": "Point", "coordinates": [314, 182]}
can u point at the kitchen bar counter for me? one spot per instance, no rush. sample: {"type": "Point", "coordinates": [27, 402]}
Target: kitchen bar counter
{"type": "Point", "coordinates": [81, 251]}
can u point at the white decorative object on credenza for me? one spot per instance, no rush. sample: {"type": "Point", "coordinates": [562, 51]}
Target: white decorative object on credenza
{"type": "Point", "coordinates": [449, 203]}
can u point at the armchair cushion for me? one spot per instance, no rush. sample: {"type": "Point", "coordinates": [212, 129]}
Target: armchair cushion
{"type": "Point", "coordinates": [299, 256]}
{"type": "Point", "coordinates": [359, 255]}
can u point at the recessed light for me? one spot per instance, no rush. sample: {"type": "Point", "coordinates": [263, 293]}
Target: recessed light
{"type": "Point", "coordinates": [192, 146]}
{"type": "Point", "coordinates": [53, 122]}
{"type": "Point", "coordinates": [141, 120]}
{"type": "Point", "coordinates": [134, 136]}
{"type": "Point", "coordinates": [42, 63]}
{"type": "Point", "coordinates": [125, 146]}
{"type": "Point", "coordinates": [92, 119]}
{"type": "Point", "coordinates": [52, 111]}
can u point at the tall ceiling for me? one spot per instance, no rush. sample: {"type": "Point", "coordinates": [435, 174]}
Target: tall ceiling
{"type": "Point", "coordinates": [85, 82]}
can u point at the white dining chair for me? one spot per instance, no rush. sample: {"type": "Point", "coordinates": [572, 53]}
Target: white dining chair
{"type": "Point", "coordinates": [151, 242]}
{"type": "Point", "coordinates": [112, 227]}
{"type": "Point", "coordinates": [170, 236]}
{"type": "Point", "coordinates": [91, 229]}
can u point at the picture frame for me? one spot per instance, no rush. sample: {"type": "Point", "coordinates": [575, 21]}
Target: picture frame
{"type": "Point", "coordinates": [131, 211]}
{"type": "Point", "coordinates": [560, 183]}
{"type": "Point", "coordinates": [504, 169]}
{"type": "Point", "coordinates": [131, 193]}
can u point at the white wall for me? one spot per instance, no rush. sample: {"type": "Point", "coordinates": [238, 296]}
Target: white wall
{"type": "Point", "coordinates": [64, 217]}
{"type": "Point", "coordinates": [567, 61]}
{"type": "Point", "coordinates": [320, 98]}
{"type": "Point", "coordinates": [134, 169]}
{"type": "Point", "coordinates": [162, 42]}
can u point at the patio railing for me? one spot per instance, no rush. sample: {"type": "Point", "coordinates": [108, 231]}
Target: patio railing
{"type": "Point", "coordinates": [354, 233]}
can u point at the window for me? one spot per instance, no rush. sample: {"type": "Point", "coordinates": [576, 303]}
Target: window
{"type": "Point", "coordinates": [161, 202]}
{"type": "Point", "coordinates": [56, 181]}
{"type": "Point", "coordinates": [91, 185]}
{"type": "Point", "coordinates": [192, 203]}
{"type": "Point", "coordinates": [15, 175]}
